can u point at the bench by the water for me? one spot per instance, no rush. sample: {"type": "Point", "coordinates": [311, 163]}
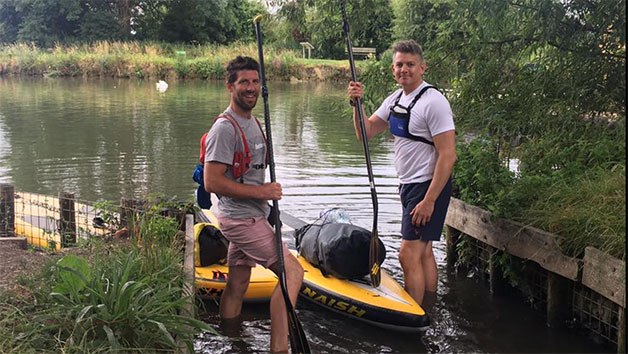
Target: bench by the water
{"type": "Point", "coordinates": [364, 51]}
{"type": "Point", "coordinates": [308, 46]}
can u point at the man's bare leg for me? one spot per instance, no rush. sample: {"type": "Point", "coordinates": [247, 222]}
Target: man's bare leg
{"type": "Point", "coordinates": [411, 259]}
{"type": "Point", "coordinates": [231, 299]}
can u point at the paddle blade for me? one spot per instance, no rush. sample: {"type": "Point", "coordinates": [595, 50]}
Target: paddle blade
{"type": "Point", "coordinates": [298, 340]}
{"type": "Point", "coordinates": [375, 272]}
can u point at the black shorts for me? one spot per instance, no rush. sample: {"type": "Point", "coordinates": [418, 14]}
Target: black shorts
{"type": "Point", "coordinates": [411, 194]}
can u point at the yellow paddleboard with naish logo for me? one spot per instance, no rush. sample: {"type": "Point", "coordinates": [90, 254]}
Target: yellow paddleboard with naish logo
{"type": "Point", "coordinates": [388, 305]}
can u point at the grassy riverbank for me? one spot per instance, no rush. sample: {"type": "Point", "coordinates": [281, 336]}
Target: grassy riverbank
{"type": "Point", "coordinates": [161, 61]}
{"type": "Point", "coordinates": [104, 296]}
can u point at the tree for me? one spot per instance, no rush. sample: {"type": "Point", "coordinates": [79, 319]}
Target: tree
{"type": "Point", "coordinates": [47, 21]}
{"type": "Point", "coordinates": [10, 19]}
{"type": "Point", "coordinates": [419, 20]}
{"type": "Point", "coordinates": [220, 21]}
{"type": "Point", "coordinates": [370, 22]}
{"type": "Point", "coordinates": [292, 24]}
{"type": "Point", "coordinates": [104, 20]}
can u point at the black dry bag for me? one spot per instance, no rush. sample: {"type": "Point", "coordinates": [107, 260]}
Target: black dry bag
{"type": "Point", "coordinates": [212, 246]}
{"type": "Point", "coordinates": [338, 249]}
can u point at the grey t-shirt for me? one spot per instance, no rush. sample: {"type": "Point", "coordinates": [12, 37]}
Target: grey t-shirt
{"type": "Point", "coordinates": [221, 143]}
{"type": "Point", "coordinates": [431, 115]}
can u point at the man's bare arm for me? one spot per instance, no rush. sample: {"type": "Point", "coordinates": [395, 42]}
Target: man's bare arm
{"type": "Point", "coordinates": [373, 125]}
{"type": "Point", "coordinates": [215, 181]}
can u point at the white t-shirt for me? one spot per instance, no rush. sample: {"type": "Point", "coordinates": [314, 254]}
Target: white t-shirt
{"type": "Point", "coordinates": [431, 115]}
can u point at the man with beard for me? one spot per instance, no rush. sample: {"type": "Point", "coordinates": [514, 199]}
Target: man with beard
{"type": "Point", "coordinates": [234, 168]}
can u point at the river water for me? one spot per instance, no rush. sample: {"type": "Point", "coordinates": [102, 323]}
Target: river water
{"type": "Point", "coordinates": [107, 139]}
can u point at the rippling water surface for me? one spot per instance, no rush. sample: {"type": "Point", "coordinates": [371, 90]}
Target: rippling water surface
{"type": "Point", "coordinates": [107, 139]}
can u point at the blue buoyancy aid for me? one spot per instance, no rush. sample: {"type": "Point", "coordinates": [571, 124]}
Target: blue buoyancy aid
{"type": "Point", "coordinates": [400, 118]}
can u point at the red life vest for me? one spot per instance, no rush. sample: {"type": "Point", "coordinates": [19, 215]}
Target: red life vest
{"type": "Point", "coordinates": [241, 159]}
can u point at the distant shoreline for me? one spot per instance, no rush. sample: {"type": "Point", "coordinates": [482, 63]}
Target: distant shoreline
{"type": "Point", "coordinates": [160, 61]}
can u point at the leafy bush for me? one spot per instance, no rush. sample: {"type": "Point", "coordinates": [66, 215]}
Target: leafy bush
{"type": "Point", "coordinates": [480, 175]}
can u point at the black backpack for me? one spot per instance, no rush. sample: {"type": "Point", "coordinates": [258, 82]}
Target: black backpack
{"type": "Point", "coordinates": [212, 246]}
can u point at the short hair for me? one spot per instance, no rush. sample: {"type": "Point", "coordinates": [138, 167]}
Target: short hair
{"type": "Point", "coordinates": [408, 46]}
{"type": "Point", "coordinates": [238, 64]}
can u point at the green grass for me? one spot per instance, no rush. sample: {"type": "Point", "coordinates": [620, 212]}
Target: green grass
{"type": "Point", "coordinates": [331, 62]}
{"type": "Point", "coordinates": [590, 211]}
{"type": "Point", "coordinates": [154, 60]}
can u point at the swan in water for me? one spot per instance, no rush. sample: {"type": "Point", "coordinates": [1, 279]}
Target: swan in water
{"type": "Point", "coordinates": [162, 86]}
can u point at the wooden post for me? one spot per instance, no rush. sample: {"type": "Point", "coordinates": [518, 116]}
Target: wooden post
{"type": "Point", "coordinates": [497, 282]}
{"type": "Point", "coordinates": [188, 289]}
{"type": "Point", "coordinates": [67, 222]}
{"type": "Point", "coordinates": [7, 210]}
{"type": "Point", "coordinates": [128, 212]}
{"type": "Point", "coordinates": [452, 237]}
{"type": "Point", "coordinates": [621, 330]}
{"type": "Point", "coordinates": [179, 215]}
{"type": "Point", "coordinates": [557, 304]}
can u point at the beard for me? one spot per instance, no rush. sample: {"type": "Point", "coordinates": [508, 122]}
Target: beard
{"type": "Point", "coordinates": [241, 103]}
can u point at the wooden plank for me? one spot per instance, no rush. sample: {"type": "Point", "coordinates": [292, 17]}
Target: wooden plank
{"type": "Point", "coordinates": [16, 241]}
{"type": "Point", "coordinates": [514, 238]}
{"type": "Point", "coordinates": [605, 274]}
{"type": "Point", "coordinates": [621, 331]}
{"type": "Point", "coordinates": [188, 268]}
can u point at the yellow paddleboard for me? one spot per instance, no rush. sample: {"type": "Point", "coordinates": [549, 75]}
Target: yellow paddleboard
{"type": "Point", "coordinates": [211, 282]}
{"type": "Point", "coordinates": [388, 306]}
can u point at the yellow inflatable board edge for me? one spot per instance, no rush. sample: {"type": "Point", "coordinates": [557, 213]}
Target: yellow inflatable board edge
{"type": "Point", "coordinates": [37, 236]}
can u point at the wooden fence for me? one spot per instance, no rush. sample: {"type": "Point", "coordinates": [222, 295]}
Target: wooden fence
{"type": "Point", "coordinates": [597, 271]}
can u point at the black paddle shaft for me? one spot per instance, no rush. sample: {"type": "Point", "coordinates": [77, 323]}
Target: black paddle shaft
{"type": "Point", "coordinates": [298, 340]}
{"type": "Point", "coordinates": [374, 248]}
{"type": "Point", "coordinates": [358, 107]}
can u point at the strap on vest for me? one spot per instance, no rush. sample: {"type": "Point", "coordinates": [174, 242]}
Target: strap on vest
{"type": "Point", "coordinates": [247, 151]}
{"type": "Point", "coordinates": [236, 127]}
{"type": "Point", "coordinates": [416, 98]}
{"type": "Point", "coordinates": [409, 108]}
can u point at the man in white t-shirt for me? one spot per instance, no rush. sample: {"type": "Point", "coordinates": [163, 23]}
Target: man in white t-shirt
{"type": "Point", "coordinates": [421, 121]}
